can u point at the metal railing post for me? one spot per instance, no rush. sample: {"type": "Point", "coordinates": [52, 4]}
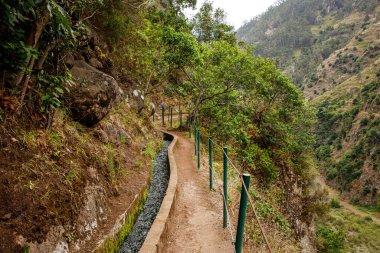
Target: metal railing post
{"type": "Point", "coordinates": [225, 194]}
{"type": "Point", "coordinates": [199, 149]}
{"type": "Point", "coordinates": [180, 119]}
{"type": "Point", "coordinates": [242, 213]}
{"type": "Point", "coordinates": [210, 159]}
{"type": "Point", "coordinates": [195, 139]}
{"type": "Point", "coordinates": [170, 108]}
{"type": "Point", "coordinates": [163, 115]}
{"type": "Point", "coordinates": [171, 117]}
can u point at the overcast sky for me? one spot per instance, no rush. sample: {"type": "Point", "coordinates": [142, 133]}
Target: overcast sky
{"type": "Point", "coordinates": [237, 11]}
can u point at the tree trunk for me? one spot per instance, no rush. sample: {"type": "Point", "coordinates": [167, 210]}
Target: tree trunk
{"type": "Point", "coordinates": [33, 38]}
{"type": "Point", "coordinates": [43, 57]}
{"type": "Point", "coordinates": [25, 86]}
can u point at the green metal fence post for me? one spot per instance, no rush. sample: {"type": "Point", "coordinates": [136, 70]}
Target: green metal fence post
{"type": "Point", "coordinates": [225, 201]}
{"type": "Point", "coordinates": [210, 159]}
{"type": "Point", "coordinates": [195, 139]}
{"type": "Point", "coordinates": [199, 149]}
{"type": "Point", "coordinates": [163, 115]}
{"type": "Point", "coordinates": [170, 108]}
{"type": "Point", "coordinates": [242, 213]}
{"type": "Point", "coordinates": [180, 119]}
{"type": "Point", "coordinates": [171, 117]}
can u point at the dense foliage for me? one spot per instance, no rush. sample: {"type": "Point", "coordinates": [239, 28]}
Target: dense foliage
{"type": "Point", "coordinates": [366, 148]}
{"type": "Point", "coordinates": [262, 112]}
{"type": "Point", "coordinates": [35, 35]}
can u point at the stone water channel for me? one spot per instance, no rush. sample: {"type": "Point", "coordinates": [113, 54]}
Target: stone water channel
{"type": "Point", "coordinates": [156, 194]}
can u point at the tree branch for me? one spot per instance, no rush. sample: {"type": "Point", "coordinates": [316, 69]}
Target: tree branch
{"type": "Point", "coordinates": [216, 94]}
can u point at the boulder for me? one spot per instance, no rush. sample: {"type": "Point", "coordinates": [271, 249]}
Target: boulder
{"type": "Point", "coordinates": [152, 109]}
{"type": "Point", "coordinates": [68, 59]}
{"type": "Point", "coordinates": [95, 63]}
{"type": "Point", "coordinates": [112, 133]}
{"type": "Point", "coordinates": [91, 96]}
{"type": "Point", "coordinates": [137, 101]}
{"type": "Point", "coordinates": [125, 137]}
{"type": "Point", "coordinates": [101, 135]}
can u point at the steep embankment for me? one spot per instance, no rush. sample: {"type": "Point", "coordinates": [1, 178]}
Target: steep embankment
{"type": "Point", "coordinates": [62, 187]}
{"type": "Point", "coordinates": [76, 137]}
{"type": "Point", "coordinates": [331, 51]}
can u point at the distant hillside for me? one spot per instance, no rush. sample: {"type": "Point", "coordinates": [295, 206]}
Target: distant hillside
{"type": "Point", "coordinates": [330, 49]}
{"type": "Point", "coordinates": [300, 34]}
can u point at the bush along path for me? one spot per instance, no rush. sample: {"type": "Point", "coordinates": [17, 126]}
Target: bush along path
{"type": "Point", "coordinates": [196, 222]}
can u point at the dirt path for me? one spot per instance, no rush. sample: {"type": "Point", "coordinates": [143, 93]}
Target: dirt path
{"type": "Point", "coordinates": [335, 194]}
{"type": "Point", "coordinates": [196, 223]}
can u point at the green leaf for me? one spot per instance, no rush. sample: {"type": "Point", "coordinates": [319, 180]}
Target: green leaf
{"type": "Point", "coordinates": [59, 90]}
{"type": "Point", "coordinates": [45, 97]}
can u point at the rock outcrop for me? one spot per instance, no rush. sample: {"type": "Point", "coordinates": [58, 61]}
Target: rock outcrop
{"type": "Point", "coordinates": [92, 94]}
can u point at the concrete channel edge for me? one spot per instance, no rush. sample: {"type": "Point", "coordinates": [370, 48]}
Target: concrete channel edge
{"type": "Point", "coordinates": [153, 241]}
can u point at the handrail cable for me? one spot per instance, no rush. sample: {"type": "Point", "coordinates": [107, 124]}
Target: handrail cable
{"type": "Point", "coordinates": [249, 198]}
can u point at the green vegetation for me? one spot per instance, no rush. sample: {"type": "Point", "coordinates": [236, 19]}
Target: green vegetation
{"type": "Point", "coordinates": [349, 167]}
{"type": "Point", "coordinates": [301, 36]}
{"type": "Point", "coordinates": [341, 231]}
{"type": "Point", "coordinates": [334, 203]}
{"type": "Point", "coordinates": [328, 50]}
{"type": "Point", "coordinates": [151, 149]}
{"type": "Point", "coordinates": [330, 241]}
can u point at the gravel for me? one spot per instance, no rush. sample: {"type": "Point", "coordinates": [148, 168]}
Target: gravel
{"type": "Point", "coordinates": [151, 207]}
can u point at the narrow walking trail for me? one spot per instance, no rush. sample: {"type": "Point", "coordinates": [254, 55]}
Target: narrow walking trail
{"type": "Point", "coordinates": [335, 194]}
{"type": "Point", "coordinates": [196, 222]}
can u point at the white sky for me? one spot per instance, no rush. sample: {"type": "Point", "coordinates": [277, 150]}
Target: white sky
{"type": "Point", "coordinates": [237, 11]}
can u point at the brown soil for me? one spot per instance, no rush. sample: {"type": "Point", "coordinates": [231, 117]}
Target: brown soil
{"type": "Point", "coordinates": [18, 209]}
{"type": "Point", "coordinates": [37, 194]}
{"type": "Point", "coordinates": [196, 223]}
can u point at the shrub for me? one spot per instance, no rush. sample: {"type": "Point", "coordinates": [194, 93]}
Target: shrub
{"type": "Point", "coordinates": [323, 152]}
{"type": "Point", "coordinates": [364, 122]}
{"type": "Point", "coordinates": [331, 173]}
{"type": "Point", "coordinates": [329, 240]}
{"type": "Point", "coordinates": [334, 203]}
{"type": "Point", "coordinates": [367, 189]}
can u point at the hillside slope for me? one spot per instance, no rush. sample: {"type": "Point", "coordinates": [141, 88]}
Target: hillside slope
{"type": "Point", "coordinates": [330, 49]}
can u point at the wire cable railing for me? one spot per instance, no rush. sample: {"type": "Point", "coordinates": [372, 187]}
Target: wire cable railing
{"type": "Point", "coordinates": [249, 196]}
